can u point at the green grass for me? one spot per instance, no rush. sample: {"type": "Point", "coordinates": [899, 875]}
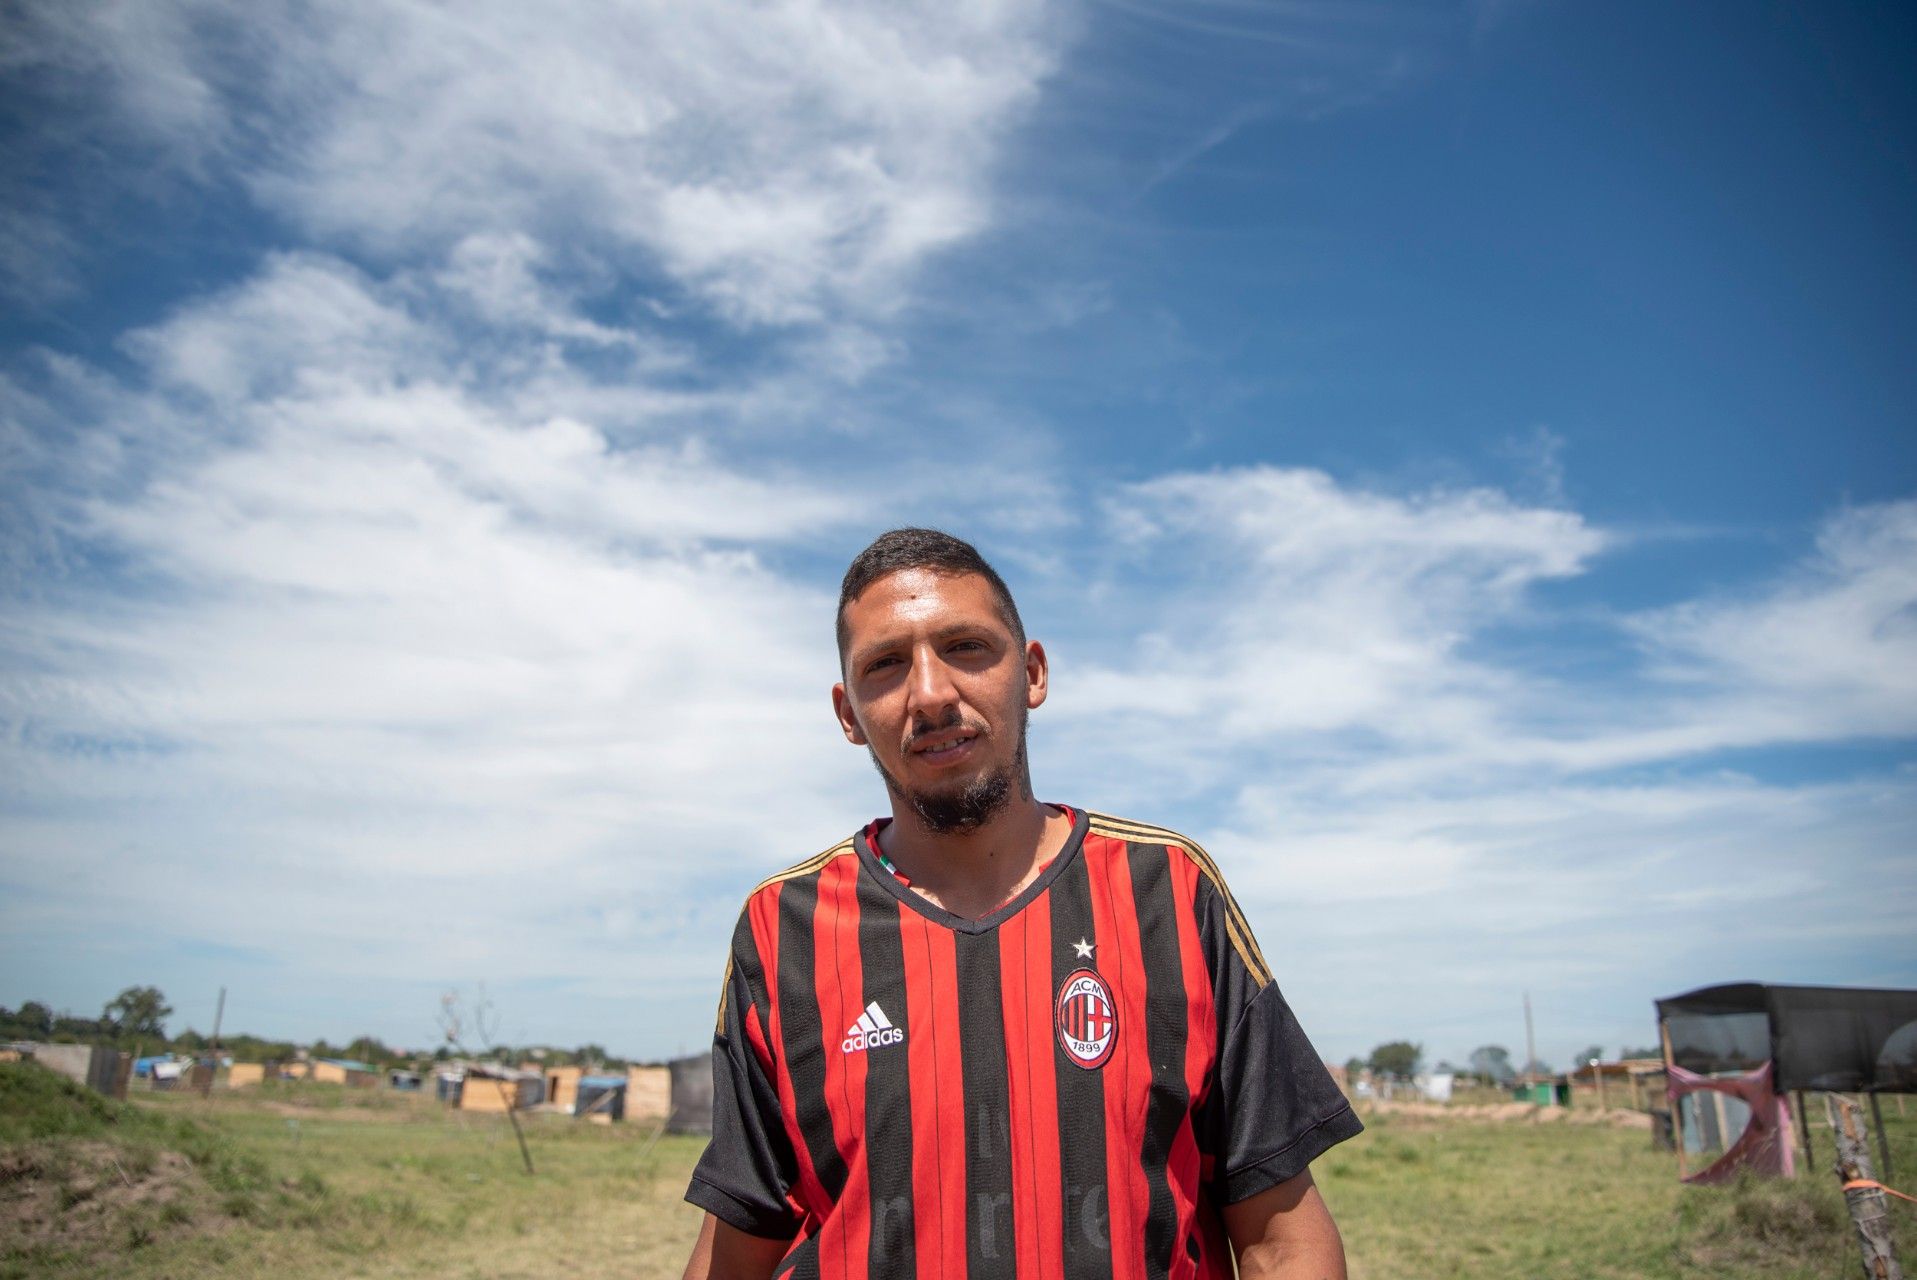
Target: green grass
{"type": "Point", "coordinates": [1444, 1198]}
{"type": "Point", "coordinates": [308, 1181]}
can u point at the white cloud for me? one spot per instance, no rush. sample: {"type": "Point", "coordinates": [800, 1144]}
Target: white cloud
{"type": "Point", "coordinates": [1291, 604]}
{"type": "Point", "coordinates": [380, 648]}
{"type": "Point", "coordinates": [783, 162]}
{"type": "Point", "coordinates": [1831, 651]}
{"type": "Point", "coordinates": [1324, 678]}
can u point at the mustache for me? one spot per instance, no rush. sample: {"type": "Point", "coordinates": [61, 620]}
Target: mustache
{"type": "Point", "coordinates": [931, 733]}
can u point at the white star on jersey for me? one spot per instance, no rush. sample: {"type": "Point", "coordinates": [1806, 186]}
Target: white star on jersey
{"type": "Point", "coordinates": [1083, 948]}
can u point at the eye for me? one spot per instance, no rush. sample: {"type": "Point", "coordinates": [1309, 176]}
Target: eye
{"type": "Point", "coordinates": [880, 663]}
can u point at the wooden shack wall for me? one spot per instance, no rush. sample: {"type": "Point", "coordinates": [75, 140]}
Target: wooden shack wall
{"type": "Point", "coordinates": [648, 1091]}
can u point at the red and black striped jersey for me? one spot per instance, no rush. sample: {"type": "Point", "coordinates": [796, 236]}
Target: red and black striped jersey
{"type": "Point", "coordinates": [1069, 1087]}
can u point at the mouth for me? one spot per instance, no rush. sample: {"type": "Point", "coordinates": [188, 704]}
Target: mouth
{"type": "Point", "coordinates": [945, 746]}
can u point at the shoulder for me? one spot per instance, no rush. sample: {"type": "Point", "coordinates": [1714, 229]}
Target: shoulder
{"type": "Point", "coordinates": [1216, 903]}
{"type": "Point", "coordinates": [1145, 833]}
{"type": "Point", "coordinates": [806, 869]}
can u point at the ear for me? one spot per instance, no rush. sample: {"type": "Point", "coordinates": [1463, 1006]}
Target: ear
{"type": "Point", "coordinates": [848, 721]}
{"type": "Point", "coordinates": [1037, 675]}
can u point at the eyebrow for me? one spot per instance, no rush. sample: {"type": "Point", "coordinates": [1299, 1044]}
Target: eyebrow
{"type": "Point", "coordinates": [861, 656]}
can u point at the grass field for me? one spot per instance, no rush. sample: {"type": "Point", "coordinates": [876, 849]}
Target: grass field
{"type": "Point", "coordinates": [311, 1180]}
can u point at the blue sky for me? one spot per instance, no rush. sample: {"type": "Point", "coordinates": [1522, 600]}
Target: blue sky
{"type": "Point", "coordinates": [1459, 456]}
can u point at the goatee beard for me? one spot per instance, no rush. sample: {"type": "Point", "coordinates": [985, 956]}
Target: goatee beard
{"type": "Point", "coordinates": [968, 808]}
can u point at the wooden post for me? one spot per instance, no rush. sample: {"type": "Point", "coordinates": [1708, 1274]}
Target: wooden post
{"type": "Point", "coordinates": [1600, 1083]}
{"type": "Point", "coordinates": [1803, 1127]}
{"type": "Point", "coordinates": [1883, 1139]}
{"type": "Point", "coordinates": [1677, 1103]}
{"type": "Point", "coordinates": [1869, 1213]}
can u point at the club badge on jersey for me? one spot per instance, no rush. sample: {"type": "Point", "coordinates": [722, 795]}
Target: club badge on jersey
{"type": "Point", "coordinates": [1087, 1019]}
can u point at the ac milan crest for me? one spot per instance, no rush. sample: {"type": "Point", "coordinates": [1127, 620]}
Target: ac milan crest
{"type": "Point", "coordinates": [1087, 1019]}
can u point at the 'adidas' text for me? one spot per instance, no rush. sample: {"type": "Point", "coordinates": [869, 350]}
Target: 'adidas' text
{"type": "Point", "coordinates": [873, 1030]}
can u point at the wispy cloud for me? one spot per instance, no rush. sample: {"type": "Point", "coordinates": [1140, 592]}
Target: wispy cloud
{"type": "Point", "coordinates": [779, 163]}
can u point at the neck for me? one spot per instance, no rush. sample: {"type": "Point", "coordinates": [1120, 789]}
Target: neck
{"type": "Point", "coordinates": [973, 872]}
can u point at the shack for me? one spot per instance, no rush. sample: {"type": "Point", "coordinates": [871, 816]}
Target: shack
{"type": "Point", "coordinates": [648, 1091]}
{"type": "Point", "coordinates": [601, 1098]}
{"type": "Point", "coordinates": [501, 1089]}
{"type": "Point", "coordinates": [1734, 1053]}
{"type": "Point", "coordinates": [355, 1075]}
{"type": "Point", "coordinates": [691, 1105]}
{"type": "Point", "coordinates": [562, 1087]}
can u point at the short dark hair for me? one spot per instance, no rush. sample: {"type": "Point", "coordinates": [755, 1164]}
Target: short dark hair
{"type": "Point", "coordinates": [931, 549]}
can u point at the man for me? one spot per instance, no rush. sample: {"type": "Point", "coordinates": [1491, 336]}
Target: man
{"type": "Point", "coordinates": [990, 1036]}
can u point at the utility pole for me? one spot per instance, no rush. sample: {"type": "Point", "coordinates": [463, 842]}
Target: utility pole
{"type": "Point", "coordinates": [213, 1055]}
{"type": "Point", "coordinates": [1530, 1044]}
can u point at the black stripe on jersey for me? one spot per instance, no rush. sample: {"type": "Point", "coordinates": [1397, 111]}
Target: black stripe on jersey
{"type": "Point", "coordinates": [800, 1030]}
{"type": "Point", "coordinates": [991, 1240]}
{"type": "Point", "coordinates": [1237, 927]}
{"type": "Point", "coordinates": [745, 952]}
{"type": "Point", "coordinates": [893, 1248]}
{"type": "Point", "coordinates": [1085, 1199]}
{"type": "Point", "coordinates": [1166, 1029]}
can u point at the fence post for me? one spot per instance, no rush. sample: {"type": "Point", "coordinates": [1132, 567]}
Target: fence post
{"type": "Point", "coordinates": [1869, 1212]}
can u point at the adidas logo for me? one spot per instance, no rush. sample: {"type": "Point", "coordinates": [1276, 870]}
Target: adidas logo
{"type": "Point", "coordinates": [873, 1030]}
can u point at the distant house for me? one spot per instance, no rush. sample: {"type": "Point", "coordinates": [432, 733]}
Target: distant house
{"type": "Point", "coordinates": [691, 1095]}
{"type": "Point", "coordinates": [601, 1098]}
{"type": "Point", "coordinates": [357, 1075]}
{"type": "Point", "coordinates": [648, 1091]}
{"type": "Point", "coordinates": [242, 1074]}
{"type": "Point", "coordinates": [501, 1089]}
{"type": "Point", "coordinates": [562, 1087]}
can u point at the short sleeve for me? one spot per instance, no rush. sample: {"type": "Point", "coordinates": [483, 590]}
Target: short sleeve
{"type": "Point", "coordinates": [749, 1167]}
{"type": "Point", "coordinates": [1273, 1107]}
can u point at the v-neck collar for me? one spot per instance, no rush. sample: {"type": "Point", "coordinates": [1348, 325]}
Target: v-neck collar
{"type": "Point", "coordinates": [867, 852]}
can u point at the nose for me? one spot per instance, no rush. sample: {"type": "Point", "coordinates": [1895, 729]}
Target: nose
{"type": "Point", "coordinates": [930, 695]}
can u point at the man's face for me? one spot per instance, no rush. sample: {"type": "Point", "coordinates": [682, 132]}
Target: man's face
{"type": "Point", "coordinates": [937, 688]}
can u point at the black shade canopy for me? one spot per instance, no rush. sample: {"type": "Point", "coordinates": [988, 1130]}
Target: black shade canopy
{"type": "Point", "coordinates": [1847, 1039]}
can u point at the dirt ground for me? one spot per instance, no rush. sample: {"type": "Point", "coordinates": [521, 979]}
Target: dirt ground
{"type": "Point", "coordinates": [95, 1197]}
{"type": "Point", "coordinates": [1511, 1113]}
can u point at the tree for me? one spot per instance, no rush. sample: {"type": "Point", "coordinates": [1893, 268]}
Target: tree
{"type": "Point", "coordinates": [36, 1019]}
{"type": "Point", "coordinates": [137, 1011]}
{"type": "Point", "coordinates": [1491, 1063]}
{"type": "Point", "coordinates": [1397, 1058]}
{"type": "Point", "coordinates": [1584, 1059]}
{"type": "Point", "coordinates": [1628, 1052]}
{"type": "Point", "coordinates": [1354, 1066]}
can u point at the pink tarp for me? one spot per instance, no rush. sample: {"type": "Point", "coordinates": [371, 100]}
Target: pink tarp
{"type": "Point", "coordinates": [1765, 1146]}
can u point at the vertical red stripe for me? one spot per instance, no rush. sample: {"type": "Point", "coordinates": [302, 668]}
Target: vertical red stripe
{"type": "Point", "coordinates": [1025, 973]}
{"type": "Point", "coordinates": [840, 980]}
{"type": "Point", "coordinates": [1201, 1040]}
{"type": "Point", "coordinates": [1128, 1069]}
{"type": "Point", "coordinates": [938, 1098]}
{"type": "Point", "coordinates": [765, 935]}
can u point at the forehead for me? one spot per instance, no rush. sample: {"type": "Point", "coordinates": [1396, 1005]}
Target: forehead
{"type": "Point", "coordinates": [912, 599]}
